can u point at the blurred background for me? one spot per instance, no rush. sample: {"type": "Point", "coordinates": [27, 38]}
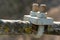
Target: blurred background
{"type": "Point", "coordinates": [16, 9]}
